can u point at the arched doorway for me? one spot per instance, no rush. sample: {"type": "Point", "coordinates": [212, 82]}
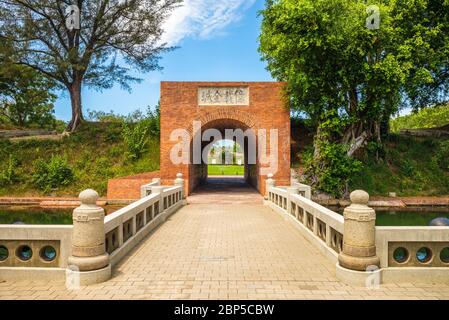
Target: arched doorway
{"type": "Point", "coordinates": [195, 108]}
{"type": "Point", "coordinates": [216, 131]}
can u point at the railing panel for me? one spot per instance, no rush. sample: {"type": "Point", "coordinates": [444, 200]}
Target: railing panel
{"type": "Point", "coordinates": [324, 227]}
{"type": "Point", "coordinates": [418, 247]}
{"type": "Point", "coordinates": [35, 246]}
{"type": "Point", "coordinates": [127, 224]}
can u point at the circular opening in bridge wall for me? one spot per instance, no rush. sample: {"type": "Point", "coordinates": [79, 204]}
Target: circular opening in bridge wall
{"type": "Point", "coordinates": [400, 255]}
{"type": "Point", "coordinates": [424, 255]}
{"type": "Point", "coordinates": [48, 253]}
{"type": "Point", "coordinates": [444, 255]}
{"type": "Point", "coordinates": [4, 253]}
{"type": "Point", "coordinates": [24, 253]}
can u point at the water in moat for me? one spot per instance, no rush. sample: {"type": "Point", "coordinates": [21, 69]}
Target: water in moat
{"type": "Point", "coordinates": [416, 216]}
{"type": "Point", "coordinates": [39, 215]}
{"type": "Point", "coordinates": [410, 216]}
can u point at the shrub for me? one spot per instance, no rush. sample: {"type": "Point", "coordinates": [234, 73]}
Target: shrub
{"type": "Point", "coordinates": [426, 118]}
{"type": "Point", "coordinates": [335, 171]}
{"type": "Point", "coordinates": [407, 168]}
{"type": "Point", "coordinates": [52, 174]}
{"type": "Point", "coordinates": [10, 175]}
{"type": "Point", "coordinates": [135, 136]}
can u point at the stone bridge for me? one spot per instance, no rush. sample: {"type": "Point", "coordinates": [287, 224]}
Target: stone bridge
{"type": "Point", "coordinates": [198, 237]}
{"type": "Point", "coordinates": [228, 242]}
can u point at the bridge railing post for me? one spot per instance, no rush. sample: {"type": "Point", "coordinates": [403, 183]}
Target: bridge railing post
{"type": "Point", "coordinates": [291, 191]}
{"type": "Point", "coordinates": [89, 262]}
{"type": "Point", "coordinates": [159, 190]}
{"type": "Point", "coordinates": [359, 240]}
{"type": "Point", "coordinates": [270, 182]}
{"type": "Point", "coordinates": [179, 181]}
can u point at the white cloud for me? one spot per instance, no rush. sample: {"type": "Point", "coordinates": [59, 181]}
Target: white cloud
{"type": "Point", "coordinates": [203, 18]}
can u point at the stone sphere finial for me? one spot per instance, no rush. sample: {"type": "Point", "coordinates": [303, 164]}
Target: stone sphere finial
{"type": "Point", "coordinates": [360, 197]}
{"type": "Point", "coordinates": [89, 197]}
{"type": "Point", "coordinates": [179, 175]}
{"type": "Point", "coordinates": [270, 176]}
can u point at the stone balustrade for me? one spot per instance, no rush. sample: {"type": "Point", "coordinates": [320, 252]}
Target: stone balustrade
{"type": "Point", "coordinates": [145, 190]}
{"type": "Point", "coordinates": [399, 247]}
{"type": "Point", "coordinates": [321, 226]}
{"type": "Point", "coordinates": [125, 228]}
{"type": "Point", "coordinates": [37, 251]}
{"type": "Point", "coordinates": [304, 190]}
{"type": "Point", "coordinates": [366, 252]}
{"type": "Point", "coordinates": [88, 249]}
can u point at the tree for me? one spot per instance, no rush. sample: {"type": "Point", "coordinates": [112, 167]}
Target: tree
{"type": "Point", "coordinates": [348, 78]}
{"type": "Point", "coordinates": [28, 99]}
{"type": "Point", "coordinates": [112, 37]}
{"type": "Point", "coordinates": [26, 96]}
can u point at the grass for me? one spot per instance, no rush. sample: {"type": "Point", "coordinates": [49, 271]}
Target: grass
{"type": "Point", "coordinates": [96, 153]}
{"type": "Point", "coordinates": [226, 170]}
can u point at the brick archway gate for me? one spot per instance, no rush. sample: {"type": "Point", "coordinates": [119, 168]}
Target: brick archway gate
{"type": "Point", "coordinates": [223, 105]}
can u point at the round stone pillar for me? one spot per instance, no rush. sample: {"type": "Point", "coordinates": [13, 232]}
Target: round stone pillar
{"type": "Point", "coordinates": [89, 260]}
{"type": "Point", "coordinates": [359, 239]}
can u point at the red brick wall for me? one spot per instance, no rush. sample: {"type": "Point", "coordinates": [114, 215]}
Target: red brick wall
{"type": "Point", "coordinates": [267, 110]}
{"type": "Point", "coordinates": [128, 188]}
{"type": "Point", "coordinates": [179, 108]}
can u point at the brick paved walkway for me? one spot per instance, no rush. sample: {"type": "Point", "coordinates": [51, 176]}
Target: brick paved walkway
{"type": "Point", "coordinates": [223, 251]}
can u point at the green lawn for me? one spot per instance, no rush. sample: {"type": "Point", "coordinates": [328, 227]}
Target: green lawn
{"type": "Point", "coordinates": [225, 170]}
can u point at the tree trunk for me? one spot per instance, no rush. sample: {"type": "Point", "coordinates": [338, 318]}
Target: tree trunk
{"type": "Point", "coordinates": [77, 111]}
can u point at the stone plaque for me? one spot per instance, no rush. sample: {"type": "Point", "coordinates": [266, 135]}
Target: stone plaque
{"type": "Point", "coordinates": [223, 96]}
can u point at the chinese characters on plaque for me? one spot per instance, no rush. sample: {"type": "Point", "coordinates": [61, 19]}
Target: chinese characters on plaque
{"type": "Point", "coordinates": [219, 96]}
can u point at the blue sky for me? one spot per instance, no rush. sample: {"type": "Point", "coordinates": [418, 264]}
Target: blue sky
{"type": "Point", "coordinates": [218, 42]}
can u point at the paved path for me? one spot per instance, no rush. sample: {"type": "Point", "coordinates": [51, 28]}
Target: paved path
{"type": "Point", "coordinates": [223, 251]}
{"type": "Point", "coordinates": [225, 190]}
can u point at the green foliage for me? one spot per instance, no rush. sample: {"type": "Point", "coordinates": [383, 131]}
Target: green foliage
{"type": "Point", "coordinates": [332, 61]}
{"type": "Point", "coordinates": [442, 156]}
{"type": "Point", "coordinates": [410, 168]}
{"type": "Point", "coordinates": [435, 117]}
{"type": "Point", "coordinates": [9, 175]}
{"type": "Point", "coordinates": [407, 167]}
{"type": "Point", "coordinates": [131, 30]}
{"type": "Point", "coordinates": [135, 136]}
{"type": "Point", "coordinates": [53, 173]}
{"type": "Point", "coordinates": [91, 153]}
{"type": "Point", "coordinates": [26, 99]}
{"type": "Point", "coordinates": [225, 170]}
{"type": "Point", "coordinates": [334, 171]}
{"type": "Point", "coordinates": [348, 79]}
{"type": "Point", "coordinates": [102, 116]}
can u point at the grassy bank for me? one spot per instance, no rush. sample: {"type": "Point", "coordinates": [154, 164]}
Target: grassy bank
{"type": "Point", "coordinates": [98, 153]}
{"type": "Point", "coordinates": [226, 170]}
{"type": "Point", "coordinates": [410, 168]}
{"type": "Point", "coordinates": [95, 154]}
